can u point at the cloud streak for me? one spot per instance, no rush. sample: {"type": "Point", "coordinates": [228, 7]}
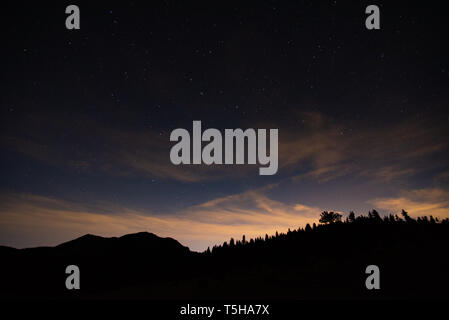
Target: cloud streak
{"type": "Point", "coordinates": [421, 202]}
{"type": "Point", "coordinates": [318, 146]}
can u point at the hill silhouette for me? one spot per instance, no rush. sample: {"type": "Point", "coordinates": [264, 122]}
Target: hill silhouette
{"type": "Point", "coordinates": [107, 264]}
{"type": "Point", "coordinates": [142, 241]}
{"type": "Point", "coordinates": [320, 261]}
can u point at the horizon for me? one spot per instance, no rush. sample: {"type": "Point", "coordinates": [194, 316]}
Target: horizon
{"type": "Point", "coordinates": [243, 236]}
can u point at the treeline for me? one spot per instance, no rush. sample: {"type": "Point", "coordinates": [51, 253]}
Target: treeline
{"type": "Point", "coordinates": [330, 218]}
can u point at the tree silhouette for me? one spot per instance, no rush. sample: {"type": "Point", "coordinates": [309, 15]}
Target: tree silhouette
{"type": "Point", "coordinates": [406, 216]}
{"type": "Point", "coordinates": [374, 215]}
{"type": "Point", "coordinates": [329, 217]}
{"type": "Point", "coordinates": [351, 217]}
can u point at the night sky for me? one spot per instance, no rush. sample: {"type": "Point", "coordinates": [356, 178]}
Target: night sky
{"type": "Point", "coordinates": [86, 116]}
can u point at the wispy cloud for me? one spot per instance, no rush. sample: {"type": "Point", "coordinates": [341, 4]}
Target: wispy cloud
{"type": "Point", "coordinates": [319, 147]}
{"type": "Point", "coordinates": [329, 149]}
{"type": "Point", "coordinates": [421, 202]}
{"type": "Point", "coordinates": [113, 151]}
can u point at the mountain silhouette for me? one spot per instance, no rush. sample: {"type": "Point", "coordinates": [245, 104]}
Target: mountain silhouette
{"type": "Point", "coordinates": [127, 244]}
{"type": "Point", "coordinates": [107, 264]}
{"type": "Point", "coordinates": [320, 261]}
